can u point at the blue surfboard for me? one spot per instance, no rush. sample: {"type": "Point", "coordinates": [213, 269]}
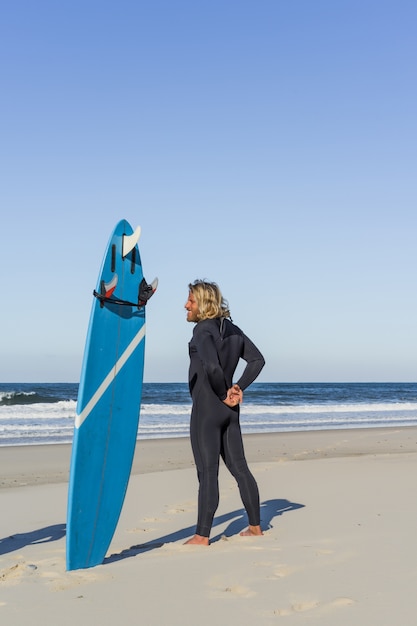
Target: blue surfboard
{"type": "Point", "coordinates": [109, 398]}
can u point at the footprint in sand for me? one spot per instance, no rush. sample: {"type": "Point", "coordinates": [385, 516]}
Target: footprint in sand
{"type": "Point", "coordinates": [341, 602]}
{"type": "Point", "coordinates": [239, 590]}
{"type": "Point", "coordinates": [14, 574]}
{"type": "Point", "coordinates": [50, 571]}
{"type": "Point", "coordinates": [279, 570]}
{"type": "Point", "coordinates": [234, 590]}
{"type": "Point", "coordinates": [182, 508]}
{"type": "Point", "coordinates": [176, 511]}
{"type": "Point", "coordinates": [298, 607]}
{"type": "Point", "coordinates": [309, 605]}
{"type": "Point", "coordinates": [220, 590]}
{"type": "Point", "coordinates": [69, 581]}
{"type": "Point", "coordinates": [282, 571]}
{"type": "Point", "coordinates": [58, 580]}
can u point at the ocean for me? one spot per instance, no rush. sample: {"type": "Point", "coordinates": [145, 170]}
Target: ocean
{"type": "Point", "coordinates": [45, 413]}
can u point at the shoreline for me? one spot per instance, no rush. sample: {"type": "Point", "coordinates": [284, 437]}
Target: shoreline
{"type": "Point", "coordinates": [37, 464]}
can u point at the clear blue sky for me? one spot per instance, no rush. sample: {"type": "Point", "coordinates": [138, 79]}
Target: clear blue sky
{"type": "Point", "coordinates": [268, 145]}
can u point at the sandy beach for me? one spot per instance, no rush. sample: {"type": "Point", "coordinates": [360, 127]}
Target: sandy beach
{"type": "Point", "coordinates": [339, 511]}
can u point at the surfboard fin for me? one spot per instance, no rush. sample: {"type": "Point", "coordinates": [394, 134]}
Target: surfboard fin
{"type": "Point", "coordinates": [146, 291]}
{"type": "Point", "coordinates": [107, 289]}
{"type": "Point", "coordinates": [130, 241]}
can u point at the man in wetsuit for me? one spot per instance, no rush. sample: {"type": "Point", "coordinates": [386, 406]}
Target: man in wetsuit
{"type": "Point", "coordinates": [215, 349]}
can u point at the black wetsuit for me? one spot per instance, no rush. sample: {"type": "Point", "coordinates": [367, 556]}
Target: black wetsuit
{"type": "Point", "coordinates": [215, 350]}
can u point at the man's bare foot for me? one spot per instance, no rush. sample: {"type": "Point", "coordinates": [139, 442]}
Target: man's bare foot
{"type": "Point", "coordinates": [197, 540]}
{"type": "Point", "coordinates": [252, 531]}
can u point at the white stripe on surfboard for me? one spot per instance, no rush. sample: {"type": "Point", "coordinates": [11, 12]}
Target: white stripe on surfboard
{"type": "Point", "coordinates": [79, 419]}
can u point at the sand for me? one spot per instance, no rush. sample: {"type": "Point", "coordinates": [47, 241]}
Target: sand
{"type": "Point", "coordinates": [339, 509]}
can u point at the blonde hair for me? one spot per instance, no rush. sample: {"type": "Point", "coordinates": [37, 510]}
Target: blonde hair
{"type": "Point", "coordinates": [209, 300]}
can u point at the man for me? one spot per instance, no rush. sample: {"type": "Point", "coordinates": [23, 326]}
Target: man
{"type": "Point", "coordinates": [215, 349]}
